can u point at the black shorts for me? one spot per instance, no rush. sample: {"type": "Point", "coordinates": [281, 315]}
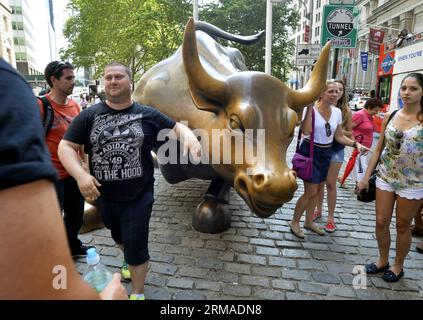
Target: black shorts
{"type": "Point", "coordinates": [129, 224]}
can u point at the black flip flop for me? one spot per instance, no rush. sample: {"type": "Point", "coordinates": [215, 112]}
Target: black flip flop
{"type": "Point", "coordinates": [390, 276]}
{"type": "Point", "coordinates": [372, 268]}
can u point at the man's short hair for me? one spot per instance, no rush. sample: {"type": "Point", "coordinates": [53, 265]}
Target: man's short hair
{"type": "Point", "coordinates": [55, 69]}
{"type": "Point", "coordinates": [119, 64]}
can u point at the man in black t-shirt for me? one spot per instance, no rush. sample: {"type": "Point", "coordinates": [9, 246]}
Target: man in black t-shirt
{"type": "Point", "coordinates": [36, 261]}
{"type": "Point", "coordinates": [118, 136]}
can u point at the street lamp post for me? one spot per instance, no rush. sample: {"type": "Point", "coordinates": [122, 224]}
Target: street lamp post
{"type": "Point", "coordinates": [269, 13]}
{"type": "Point", "coordinates": [268, 54]}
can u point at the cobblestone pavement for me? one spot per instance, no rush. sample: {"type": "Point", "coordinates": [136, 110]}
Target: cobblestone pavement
{"type": "Point", "coordinates": [259, 258]}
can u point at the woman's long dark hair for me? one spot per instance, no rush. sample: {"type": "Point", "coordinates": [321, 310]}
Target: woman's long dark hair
{"type": "Point", "coordinates": [343, 103]}
{"type": "Point", "coordinates": [419, 78]}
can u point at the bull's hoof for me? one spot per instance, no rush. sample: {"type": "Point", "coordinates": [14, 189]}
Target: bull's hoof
{"type": "Point", "coordinates": [211, 217]}
{"type": "Point", "coordinates": [92, 220]}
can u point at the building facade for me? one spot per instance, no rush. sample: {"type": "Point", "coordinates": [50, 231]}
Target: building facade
{"type": "Point", "coordinates": [390, 16]}
{"type": "Point", "coordinates": [7, 50]}
{"type": "Point", "coordinates": [34, 37]}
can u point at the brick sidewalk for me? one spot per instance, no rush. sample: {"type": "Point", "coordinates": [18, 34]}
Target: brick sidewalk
{"type": "Point", "coordinates": [259, 258]}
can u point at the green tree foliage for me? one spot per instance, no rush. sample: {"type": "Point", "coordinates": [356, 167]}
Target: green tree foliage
{"type": "Point", "coordinates": [138, 33]}
{"type": "Point", "coordinates": [246, 17]}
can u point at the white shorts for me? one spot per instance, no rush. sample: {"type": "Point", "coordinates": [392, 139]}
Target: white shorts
{"type": "Point", "coordinates": [408, 193]}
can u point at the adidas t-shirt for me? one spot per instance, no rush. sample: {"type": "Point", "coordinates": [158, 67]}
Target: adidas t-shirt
{"type": "Point", "coordinates": [119, 144]}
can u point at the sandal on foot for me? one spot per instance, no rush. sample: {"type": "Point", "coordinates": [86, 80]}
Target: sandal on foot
{"type": "Point", "coordinates": [390, 276]}
{"type": "Point", "coordinates": [296, 231]}
{"type": "Point", "coordinates": [330, 226]}
{"type": "Point", "coordinates": [315, 228]}
{"type": "Point", "coordinates": [372, 268]}
{"type": "Point", "coordinates": [316, 215]}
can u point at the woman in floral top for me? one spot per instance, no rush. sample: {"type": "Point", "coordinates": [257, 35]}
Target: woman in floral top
{"type": "Point", "coordinates": [400, 177]}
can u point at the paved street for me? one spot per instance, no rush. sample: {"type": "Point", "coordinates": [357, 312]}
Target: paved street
{"type": "Point", "coordinates": [259, 258]}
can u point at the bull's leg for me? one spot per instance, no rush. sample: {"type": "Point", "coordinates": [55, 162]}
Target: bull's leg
{"type": "Point", "coordinates": [212, 214]}
{"type": "Point", "coordinates": [92, 220]}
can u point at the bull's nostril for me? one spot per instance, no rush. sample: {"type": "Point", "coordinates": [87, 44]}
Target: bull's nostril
{"type": "Point", "coordinates": [242, 186]}
{"type": "Point", "coordinates": [258, 180]}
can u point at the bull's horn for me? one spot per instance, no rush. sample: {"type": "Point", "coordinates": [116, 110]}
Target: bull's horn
{"type": "Point", "coordinates": [207, 92]}
{"type": "Point", "coordinates": [297, 99]}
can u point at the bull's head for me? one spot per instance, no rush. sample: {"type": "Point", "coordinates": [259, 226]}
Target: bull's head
{"type": "Point", "coordinates": [254, 100]}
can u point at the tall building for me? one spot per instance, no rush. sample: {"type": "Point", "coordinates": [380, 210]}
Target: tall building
{"type": "Point", "coordinates": [34, 37]}
{"type": "Point", "coordinates": [7, 50]}
{"type": "Point", "coordinates": [390, 16]}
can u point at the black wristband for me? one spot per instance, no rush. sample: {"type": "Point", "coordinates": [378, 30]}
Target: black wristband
{"type": "Point", "coordinates": [355, 145]}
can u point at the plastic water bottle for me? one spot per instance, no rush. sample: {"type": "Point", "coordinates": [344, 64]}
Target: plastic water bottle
{"type": "Point", "coordinates": [98, 277]}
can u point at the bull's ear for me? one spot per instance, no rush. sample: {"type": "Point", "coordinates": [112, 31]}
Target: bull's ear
{"type": "Point", "coordinates": [207, 92]}
{"type": "Point", "coordinates": [314, 87]}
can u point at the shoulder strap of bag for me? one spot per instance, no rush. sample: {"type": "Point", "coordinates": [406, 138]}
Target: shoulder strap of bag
{"type": "Point", "coordinates": [391, 116]}
{"type": "Point", "coordinates": [312, 134]}
{"type": "Point", "coordinates": [389, 119]}
{"type": "Point", "coordinates": [298, 139]}
{"type": "Point", "coordinates": [48, 114]}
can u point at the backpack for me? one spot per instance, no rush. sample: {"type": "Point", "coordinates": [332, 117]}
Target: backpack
{"type": "Point", "coordinates": [48, 114]}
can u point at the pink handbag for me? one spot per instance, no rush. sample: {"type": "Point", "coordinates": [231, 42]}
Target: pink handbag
{"type": "Point", "coordinates": [302, 165]}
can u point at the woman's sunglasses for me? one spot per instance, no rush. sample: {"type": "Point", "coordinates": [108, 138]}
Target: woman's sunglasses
{"type": "Point", "coordinates": [328, 130]}
{"type": "Point", "coordinates": [398, 139]}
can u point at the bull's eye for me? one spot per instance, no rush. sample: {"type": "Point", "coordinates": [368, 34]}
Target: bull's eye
{"type": "Point", "coordinates": [235, 123]}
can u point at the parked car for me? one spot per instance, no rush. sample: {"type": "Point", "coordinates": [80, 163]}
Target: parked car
{"type": "Point", "coordinates": [357, 103]}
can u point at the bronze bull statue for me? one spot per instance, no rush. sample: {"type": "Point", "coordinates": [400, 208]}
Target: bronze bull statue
{"type": "Point", "coordinates": [208, 86]}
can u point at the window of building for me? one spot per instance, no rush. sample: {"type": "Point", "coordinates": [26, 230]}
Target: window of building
{"type": "Point", "coordinates": [19, 41]}
{"type": "Point", "coordinates": [17, 25]}
{"type": "Point", "coordinates": [298, 39]}
{"type": "Point", "coordinates": [20, 56]}
{"type": "Point", "coordinates": [16, 10]}
{"type": "Point", "coordinates": [317, 31]}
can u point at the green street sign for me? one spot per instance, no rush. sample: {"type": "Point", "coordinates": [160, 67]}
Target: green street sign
{"type": "Point", "coordinates": [338, 25]}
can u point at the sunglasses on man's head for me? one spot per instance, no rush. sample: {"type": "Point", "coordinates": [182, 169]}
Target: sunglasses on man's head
{"type": "Point", "coordinates": [328, 130]}
{"type": "Point", "coordinates": [61, 65]}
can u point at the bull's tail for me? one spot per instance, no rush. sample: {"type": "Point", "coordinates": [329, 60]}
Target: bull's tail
{"type": "Point", "coordinates": [215, 32]}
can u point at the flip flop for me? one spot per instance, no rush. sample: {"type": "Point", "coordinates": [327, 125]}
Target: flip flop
{"type": "Point", "coordinates": [298, 233]}
{"type": "Point", "coordinates": [390, 276]}
{"type": "Point", "coordinates": [315, 229]}
{"type": "Point", "coordinates": [372, 268]}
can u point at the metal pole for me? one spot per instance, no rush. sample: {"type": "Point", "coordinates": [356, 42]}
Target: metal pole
{"type": "Point", "coordinates": [195, 9]}
{"type": "Point", "coordinates": [310, 25]}
{"type": "Point", "coordinates": [268, 55]}
{"type": "Point", "coordinates": [335, 62]}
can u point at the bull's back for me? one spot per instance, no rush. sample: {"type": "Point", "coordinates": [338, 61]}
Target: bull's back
{"type": "Point", "coordinates": [165, 86]}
